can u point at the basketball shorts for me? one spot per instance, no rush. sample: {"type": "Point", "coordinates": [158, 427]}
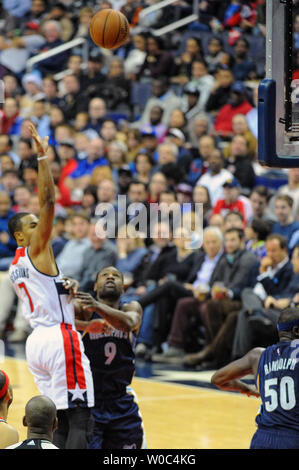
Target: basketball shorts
{"type": "Point", "coordinates": [118, 424]}
{"type": "Point", "coordinates": [61, 370]}
{"type": "Point", "coordinates": [274, 439]}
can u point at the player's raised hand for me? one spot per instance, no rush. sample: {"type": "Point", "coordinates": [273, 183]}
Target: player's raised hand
{"type": "Point", "coordinates": [41, 144]}
{"type": "Point", "coordinates": [72, 286]}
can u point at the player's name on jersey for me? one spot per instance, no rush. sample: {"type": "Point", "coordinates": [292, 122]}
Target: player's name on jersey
{"type": "Point", "coordinates": [280, 364]}
{"type": "Point", "coordinates": [19, 273]}
{"type": "Point", "coordinates": [111, 332]}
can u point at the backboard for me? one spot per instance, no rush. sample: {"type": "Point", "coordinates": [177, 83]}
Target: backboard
{"type": "Point", "coordinates": [278, 96]}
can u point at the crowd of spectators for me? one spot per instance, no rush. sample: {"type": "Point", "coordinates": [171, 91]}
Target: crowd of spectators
{"type": "Point", "coordinates": [162, 119]}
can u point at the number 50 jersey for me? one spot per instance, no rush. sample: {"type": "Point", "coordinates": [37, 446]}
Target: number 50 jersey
{"type": "Point", "coordinates": [44, 299]}
{"type": "Point", "coordinates": [278, 384]}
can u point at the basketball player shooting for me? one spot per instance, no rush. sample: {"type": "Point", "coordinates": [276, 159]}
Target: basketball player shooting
{"type": "Point", "coordinates": [54, 350]}
{"type": "Point", "coordinates": [111, 329]}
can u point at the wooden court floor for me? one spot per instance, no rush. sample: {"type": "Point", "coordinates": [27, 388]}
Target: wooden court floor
{"type": "Point", "coordinates": [175, 416]}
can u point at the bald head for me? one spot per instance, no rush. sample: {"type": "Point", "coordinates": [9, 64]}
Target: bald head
{"type": "Point", "coordinates": [40, 413]}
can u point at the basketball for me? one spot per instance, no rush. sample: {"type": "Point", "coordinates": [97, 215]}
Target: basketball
{"type": "Point", "coordinates": [109, 28]}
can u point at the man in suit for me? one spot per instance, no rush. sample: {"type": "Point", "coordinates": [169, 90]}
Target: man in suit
{"type": "Point", "coordinates": [274, 278]}
{"type": "Point", "coordinates": [225, 284]}
{"type": "Point", "coordinates": [165, 296]}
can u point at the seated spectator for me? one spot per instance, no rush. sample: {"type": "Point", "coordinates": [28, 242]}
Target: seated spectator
{"type": "Point", "coordinates": [271, 281]}
{"type": "Point", "coordinates": [72, 99]}
{"type": "Point", "coordinates": [157, 184]}
{"type": "Point", "coordinates": [109, 131]}
{"type": "Point", "coordinates": [239, 163]}
{"type": "Point", "coordinates": [201, 125]}
{"type": "Point", "coordinates": [191, 104]}
{"type": "Point", "coordinates": [202, 80]}
{"type": "Point", "coordinates": [131, 252]}
{"type": "Point", "coordinates": [7, 242]}
{"type": "Point", "coordinates": [25, 152]}
{"type": "Point", "coordinates": [233, 219]}
{"type": "Point", "coordinates": [58, 12]}
{"type": "Point", "coordinates": [161, 95]}
{"type": "Point", "coordinates": [33, 88]}
{"type": "Point", "coordinates": [10, 121]}
{"type": "Point", "coordinates": [155, 122]}
{"type": "Point", "coordinates": [240, 127]}
{"type": "Point", "coordinates": [9, 181]}
{"type": "Point", "coordinates": [21, 199]}
{"type": "Point", "coordinates": [201, 195]}
{"type": "Point", "coordinates": [215, 54]}
{"type": "Point", "coordinates": [69, 264]}
{"type": "Point", "coordinates": [237, 104]}
{"type": "Point", "coordinates": [241, 17]}
{"type": "Point", "coordinates": [158, 62]}
{"type": "Point", "coordinates": [6, 147]}
{"type": "Point", "coordinates": [259, 198]}
{"type": "Point", "coordinates": [12, 86]}
{"type": "Point", "coordinates": [244, 68]}
{"type": "Point", "coordinates": [221, 309]}
{"type": "Point", "coordinates": [215, 176]}
{"type": "Point", "coordinates": [90, 200]}
{"type": "Point", "coordinates": [101, 253]}
{"type": "Point", "coordinates": [144, 164]}
{"type": "Point", "coordinates": [291, 189]}
{"type": "Point", "coordinates": [36, 14]}
{"type": "Point", "coordinates": [8, 21]}
{"type": "Point", "coordinates": [85, 15]}
{"type": "Point", "coordinates": [134, 143]}
{"type": "Point", "coordinates": [135, 58]}
{"type": "Point", "coordinates": [80, 177]}
{"type": "Point", "coordinates": [16, 51]}
{"type": "Point", "coordinates": [30, 175]}
{"type": "Point", "coordinates": [41, 119]}
{"type": "Point", "coordinates": [116, 157]}
{"type": "Point", "coordinates": [257, 232]}
{"type": "Point", "coordinates": [183, 63]}
{"type": "Point", "coordinates": [116, 89]}
{"type": "Point", "coordinates": [6, 163]}
{"type": "Point", "coordinates": [50, 90]}
{"type": "Point", "coordinates": [231, 199]}
{"type": "Point", "coordinates": [93, 76]}
{"type": "Point", "coordinates": [286, 225]}
{"type": "Point", "coordinates": [52, 32]}
{"type": "Point", "coordinates": [97, 113]}
{"type": "Point", "coordinates": [166, 295]}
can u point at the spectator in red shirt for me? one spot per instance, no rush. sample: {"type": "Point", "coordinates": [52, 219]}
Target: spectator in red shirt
{"type": "Point", "coordinates": [238, 104]}
{"type": "Point", "coordinates": [231, 199]}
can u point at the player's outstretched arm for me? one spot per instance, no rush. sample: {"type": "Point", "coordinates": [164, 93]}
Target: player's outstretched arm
{"type": "Point", "coordinates": [127, 319]}
{"type": "Point", "coordinates": [46, 196]}
{"type": "Point", "coordinates": [227, 378]}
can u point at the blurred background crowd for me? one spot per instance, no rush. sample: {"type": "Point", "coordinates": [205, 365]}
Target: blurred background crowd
{"type": "Point", "coordinates": [170, 119]}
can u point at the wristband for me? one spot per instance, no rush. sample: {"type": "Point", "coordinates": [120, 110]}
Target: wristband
{"type": "Point", "coordinates": [42, 158]}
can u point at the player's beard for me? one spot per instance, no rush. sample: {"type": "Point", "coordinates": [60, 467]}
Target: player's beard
{"type": "Point", "coordinates": [110, 295]}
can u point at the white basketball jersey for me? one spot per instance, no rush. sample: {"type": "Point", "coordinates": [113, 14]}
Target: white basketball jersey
{"type": "Point", "coordinates": [44, 299]}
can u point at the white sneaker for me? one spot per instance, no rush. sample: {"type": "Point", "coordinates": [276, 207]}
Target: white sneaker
{"type": "Point", "coordinates": [140, 350]}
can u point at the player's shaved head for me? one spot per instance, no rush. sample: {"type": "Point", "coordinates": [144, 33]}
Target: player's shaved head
{"type": "Point", "coordinates": [40, 413]}
{"type": "Point", "coordinates": [109, 283]}
{"type": "Point", "coordinates": [15, 223]}
{"type": "Point", "coordinates": [288, 323]}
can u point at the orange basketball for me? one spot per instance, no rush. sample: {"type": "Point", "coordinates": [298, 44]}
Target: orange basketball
{"type": "Point", "coordinates": [109, 28]}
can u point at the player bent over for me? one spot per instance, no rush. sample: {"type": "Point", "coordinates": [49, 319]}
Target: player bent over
{"type": "Point", "coordinates": [276, 371]}
{"type": "Point", "coordinates": [109, 341]}
{"type": "Point", "coordinates": [54, 350]}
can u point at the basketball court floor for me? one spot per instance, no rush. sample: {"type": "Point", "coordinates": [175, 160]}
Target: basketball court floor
{"type": "Point", "coordinates": [180, 408]}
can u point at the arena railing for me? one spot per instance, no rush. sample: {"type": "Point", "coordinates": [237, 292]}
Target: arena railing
{"type": "Point", "coordinates": [57, 50]}
{"type": "Point", "coordinates": [176, 24]}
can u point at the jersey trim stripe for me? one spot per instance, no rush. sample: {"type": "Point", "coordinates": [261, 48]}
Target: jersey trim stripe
{"type": "Point", "coordinates": [20, 252]}
{"type": "Point", "coordinates": [74, 369]}
{"type": "Point", "coordinates": [59, 301]}
{"type": "Point", "coordinates": [43, 274]}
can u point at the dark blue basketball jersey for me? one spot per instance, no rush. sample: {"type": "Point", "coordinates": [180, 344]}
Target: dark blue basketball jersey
{"type": "Point", "coordinates": [278, 384]}
{"type": "Point", "coordinates": [112, 361]}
